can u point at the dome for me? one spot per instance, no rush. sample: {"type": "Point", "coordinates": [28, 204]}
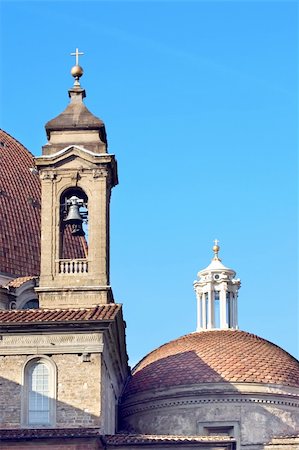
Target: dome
{"type": "Point", "coordinates": [212, 357]}
{"type": "Point", "coordinates": [20, 210]}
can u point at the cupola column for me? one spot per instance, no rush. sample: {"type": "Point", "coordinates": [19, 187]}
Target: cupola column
{"type": "Point", "coordinates": [217, 292]}
{"type": "Point", "coordinates": [210, 308]}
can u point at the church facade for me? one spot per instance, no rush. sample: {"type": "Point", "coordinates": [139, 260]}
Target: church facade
{"type": "Point", "coordinates": [65, 382]}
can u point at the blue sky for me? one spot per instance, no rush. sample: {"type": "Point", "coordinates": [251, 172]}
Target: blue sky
{"type": "Point", "coordinates": [200, 105]}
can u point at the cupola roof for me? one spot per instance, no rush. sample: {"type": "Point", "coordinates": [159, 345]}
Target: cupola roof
{"type": "Point", "coordinates": [216, 264]}
{"type": "Point", "coordinates": [216, 356]}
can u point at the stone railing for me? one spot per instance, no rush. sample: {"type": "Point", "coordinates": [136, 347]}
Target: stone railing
{"type": "Point", "coordinates": [72, 266]}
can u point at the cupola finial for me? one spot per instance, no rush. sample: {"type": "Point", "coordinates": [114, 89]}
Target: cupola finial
{"type": "Point", "coordinates": [77, 70]}
{"type": "Point", "coordinates": [216, 249]}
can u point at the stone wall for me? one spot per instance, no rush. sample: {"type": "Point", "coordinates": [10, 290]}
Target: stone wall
{"type": "Point", "coordinates": [78, 390]}
{"type": "Point", "coordinates": [253, 419]}
{"type": "Point", "coordinates": [10, 390]}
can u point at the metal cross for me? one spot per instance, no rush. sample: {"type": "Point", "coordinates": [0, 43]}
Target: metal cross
{"type": "Point", "coordinates": [216, 242]}
{"type": "Point", "coordinates": [77, 53]}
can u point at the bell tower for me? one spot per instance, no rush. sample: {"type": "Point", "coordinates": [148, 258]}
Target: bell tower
{"type": "Point", "coordinates": [77, 175]}
{"type": "Point", "coordinates": [217, 295]}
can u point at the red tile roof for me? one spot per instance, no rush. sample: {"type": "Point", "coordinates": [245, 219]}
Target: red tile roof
{"type": "Point", "coordinates": [211, 357]}
{"type": "Point", "coordinates": [40, 433]}
{"type": "Point", "coordinates": [109, 440]}
{"type": "Point", "coordinates": [20, 209]}
{"type": "Point", "coordinates": [18, 282]}
{"type": "Point", "coordinates": [132, 439]}
{"type": "Point", "coordinates": [99, 313]}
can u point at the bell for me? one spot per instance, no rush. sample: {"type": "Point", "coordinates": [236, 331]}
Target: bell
{"type": "Point", "coordinates": [75, 220]}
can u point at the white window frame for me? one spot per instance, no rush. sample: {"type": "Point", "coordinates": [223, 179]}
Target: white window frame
{"type": "Point", "coordinates": [49, 363]}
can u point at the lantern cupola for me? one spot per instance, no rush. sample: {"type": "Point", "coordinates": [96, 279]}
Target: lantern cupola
{"type": "Point", "coordinates": [217, 295]}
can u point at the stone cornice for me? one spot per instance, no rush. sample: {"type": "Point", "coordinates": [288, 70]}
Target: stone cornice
{"type": "Point", "coordinates": [73, 288]}
{"type": "Point", "coordinates": [48, 327]}
{"type": "Point", "coordinates": [221, 398]}
{"type": "Point", "coordinates": [51, 344]}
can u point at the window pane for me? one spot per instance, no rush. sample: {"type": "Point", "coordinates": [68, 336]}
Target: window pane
{"type": "Point", "coordinates": [39, 404]}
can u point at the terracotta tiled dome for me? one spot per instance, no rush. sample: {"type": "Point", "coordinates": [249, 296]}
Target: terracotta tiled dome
{"type": "Point", "coordinates": [20, 209]}
{"type": "Point", "coordinates": [211, 357]}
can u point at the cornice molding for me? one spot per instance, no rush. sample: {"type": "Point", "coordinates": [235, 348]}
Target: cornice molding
{"type": "Point", "coordinates": [241, 398]}
{"type": "Point", "coordinates": [51, 344]}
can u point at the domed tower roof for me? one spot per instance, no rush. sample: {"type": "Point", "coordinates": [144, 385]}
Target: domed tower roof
{"type": "Point", "coordinates": [215, 356]}
{"type": "Point", "coordinates": [76, 115]}
{"type": "Point", "coordinates": [20, 210]}
{"type": "Point", "coordinates": [76, 124]}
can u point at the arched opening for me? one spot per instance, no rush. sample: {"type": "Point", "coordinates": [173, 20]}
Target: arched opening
{"type": "Point", "coordinates": [73, 224]}
{"type": "Point", "coordinates": [31, 304]}
{"type": "Point", "coordinates": [39, 392]}
{"type": "Point", "coordinates": [216, 309]}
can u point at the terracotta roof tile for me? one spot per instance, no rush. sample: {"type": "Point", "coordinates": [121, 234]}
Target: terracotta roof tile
{"type": "Point", "coordinates": [113, 440]}
{"type": "Point", "coordinates": [39, 433]}
{"type": "Point", "coordinates": [214, 356]}
{"type": "Point", "coordinates": [132, 439]}
{"type": "Point", "coordinates": [99, 313]}
{"type": "Point", "coordinates": [20, 209]}
{"type": "Point", "coordinates": [18, 282]}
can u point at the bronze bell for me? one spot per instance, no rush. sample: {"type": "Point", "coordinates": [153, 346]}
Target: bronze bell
{"type": "Point", "coordinates": [74, 219]}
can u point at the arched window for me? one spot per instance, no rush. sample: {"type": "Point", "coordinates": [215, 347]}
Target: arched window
{"type": "Point", "coordinates": [31, 304]}
{"type": "Point", "coordinates": [39, 392]}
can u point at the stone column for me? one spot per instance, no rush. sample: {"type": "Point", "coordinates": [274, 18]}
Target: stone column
{"type": "Point", "coordinates": [204, 312]}
{"type": "Point", "coordinates": [210, 301]}
{"type": "Point", "coordinates": [199, 311]}
{"type": "Point", "coordinates": [222, 297]}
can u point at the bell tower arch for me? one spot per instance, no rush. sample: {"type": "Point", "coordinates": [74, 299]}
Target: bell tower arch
{"type": "Point", "coordinates": [77, 175]}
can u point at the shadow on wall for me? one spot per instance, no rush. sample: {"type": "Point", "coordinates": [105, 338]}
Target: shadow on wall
{"type": "Point", "coordinates": [29, 408]}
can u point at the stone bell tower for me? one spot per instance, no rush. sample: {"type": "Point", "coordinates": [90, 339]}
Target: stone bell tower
{"type": "Point", "coordinates": [77, 175]}
{"type": "Point", "coordinates": [217, 295]}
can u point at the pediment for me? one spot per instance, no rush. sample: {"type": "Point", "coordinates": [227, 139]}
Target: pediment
{"type": "Point", "coordinates": [72, 157]}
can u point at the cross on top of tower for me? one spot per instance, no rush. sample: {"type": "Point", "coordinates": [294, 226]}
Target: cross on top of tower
{"type": "Point", "coordinates": [77, 70]}
{"type": "Point", "coordinates": [77, 54]}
